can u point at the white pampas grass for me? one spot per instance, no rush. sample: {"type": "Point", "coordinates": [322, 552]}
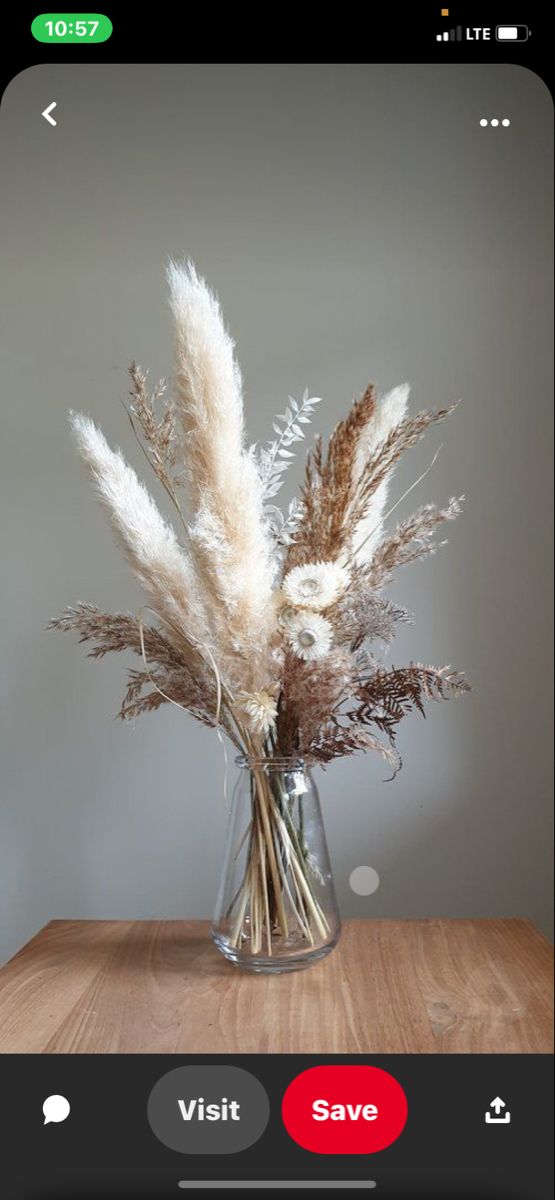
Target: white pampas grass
{"type": "Point", "coordinates": [162, 566]}
{"type": "Point", "coordinates": [208, 381]}
{"type": "Point", "coordinates": [229, 541]}
{"type": "Point", "coordinates": [390, 411]}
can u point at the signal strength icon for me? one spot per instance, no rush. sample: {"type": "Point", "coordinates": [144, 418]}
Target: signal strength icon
{"type": "Point", "coordinates": [450, 35]}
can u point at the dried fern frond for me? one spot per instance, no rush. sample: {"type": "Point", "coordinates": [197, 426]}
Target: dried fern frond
{"type": "Point", "coordinates": [338, 741]}
{"type": "Point", "coordinates": [386, 696]}
{"type": "Point", "coordinates": [410, 540]}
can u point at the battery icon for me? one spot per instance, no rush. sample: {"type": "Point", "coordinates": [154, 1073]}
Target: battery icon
{"type": "Point", "coordinates": [512, 33]}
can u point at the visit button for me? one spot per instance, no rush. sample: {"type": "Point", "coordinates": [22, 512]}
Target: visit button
{"type": "Point", "coordinates": [344, 1110]}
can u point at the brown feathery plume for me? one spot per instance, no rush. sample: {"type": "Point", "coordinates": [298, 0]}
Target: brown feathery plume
{"type": "Point", "coordinates": [410, 540]}
{"type": "Point", "coordinates": [180, 676]}
{"type": "Point", "coordinates": [134, 703]}
{"type": "Point", "coordinates": [168, 687]}
{"type": "Point", "coordinates": [328, 489]}
{"type": "Point", "coordinates": [334, 500]}
{"type": "Point", "coordinates": [159, 433]}
{"type": "Point", "coordinates": [304, 547]}
{"type": "Point", "coordinates": [337, 472]}
{"type": "Point", "coordinates": [114, 632]}
{"type": "Point", "coordinates": [311, 693]}
{"type": "Point", "coordinates": [403, 437]}
{"type": "Point", "coordinates": [386, 696]}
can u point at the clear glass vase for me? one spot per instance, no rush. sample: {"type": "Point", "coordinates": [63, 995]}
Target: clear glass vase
{"type": "Point", "coordinates": [276, 908]}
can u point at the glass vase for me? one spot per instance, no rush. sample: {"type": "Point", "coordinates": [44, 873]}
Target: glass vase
{"type": "Point", "coordinates": [276, 908]}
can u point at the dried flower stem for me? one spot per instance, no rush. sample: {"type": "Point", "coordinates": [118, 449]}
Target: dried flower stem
{"type": "Point", "coordinates": [276, 856]}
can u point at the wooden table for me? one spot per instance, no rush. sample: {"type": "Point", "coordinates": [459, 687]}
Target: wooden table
{"type": "Point", "coordinates": [396, 987]}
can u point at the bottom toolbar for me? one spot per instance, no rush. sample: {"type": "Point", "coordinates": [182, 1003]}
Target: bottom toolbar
{"type": "Point", "coordinates": [152, 1125]}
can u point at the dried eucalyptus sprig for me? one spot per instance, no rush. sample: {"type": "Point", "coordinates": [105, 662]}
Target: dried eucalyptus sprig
{"type": "Point", "coordinates": [274, 459]}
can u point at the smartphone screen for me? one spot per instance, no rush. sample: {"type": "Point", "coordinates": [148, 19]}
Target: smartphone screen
{"type": "Point", "coordinates": [262, 925]}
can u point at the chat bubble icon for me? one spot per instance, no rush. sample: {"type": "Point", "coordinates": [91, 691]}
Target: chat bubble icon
{"type": "Point", "coordinates": [55, 1108]}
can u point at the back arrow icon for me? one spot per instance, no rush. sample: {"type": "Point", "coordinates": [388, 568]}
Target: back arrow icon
{"type": "Point", "coordinates": [47, 111]}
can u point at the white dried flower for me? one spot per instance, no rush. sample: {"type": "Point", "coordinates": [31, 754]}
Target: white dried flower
{"type": "Point", "coordinates": [309, 635]}
{"type": "Point", "coordinates": [277, 658]}
{"type": "Point", "coordinates": [315, 585]}
{"type": "Point", "coordinates": [260, 709]}
{"type": "Point", "coordinates": [285, 614]}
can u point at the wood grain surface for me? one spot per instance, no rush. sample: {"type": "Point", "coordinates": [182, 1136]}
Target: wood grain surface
{"type": "Point", "coordinates": [426, 987]}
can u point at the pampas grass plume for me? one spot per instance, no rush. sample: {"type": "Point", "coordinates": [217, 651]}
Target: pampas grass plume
{"type": "Point", "coordinates": [162, 566]}
{"type": "Point", "coordinates": [229, 539]}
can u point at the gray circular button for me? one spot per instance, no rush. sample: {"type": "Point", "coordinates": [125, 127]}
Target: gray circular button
{"type": "Point", "coordinates": [208, 1110]}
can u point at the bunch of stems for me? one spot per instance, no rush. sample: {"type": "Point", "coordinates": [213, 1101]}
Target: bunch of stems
{"type": "Point", "coordinates": [277, 886]}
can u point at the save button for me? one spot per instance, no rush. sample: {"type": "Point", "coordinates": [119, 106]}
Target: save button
{"type": "Point", "coordinates": [344, 1109]}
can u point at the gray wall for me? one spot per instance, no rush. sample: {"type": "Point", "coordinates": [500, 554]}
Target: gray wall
{"type": "Point", "coordinates": [358, 224]}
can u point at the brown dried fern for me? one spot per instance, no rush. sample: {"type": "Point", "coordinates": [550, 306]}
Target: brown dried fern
{"type": "Point", "coordinates": [386, 696]}
{"type": "Point", "coordinates": [337, 741]}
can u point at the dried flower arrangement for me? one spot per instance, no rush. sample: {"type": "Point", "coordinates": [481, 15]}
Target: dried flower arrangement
{"type": "Point", "coordinates": [263, 624]}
